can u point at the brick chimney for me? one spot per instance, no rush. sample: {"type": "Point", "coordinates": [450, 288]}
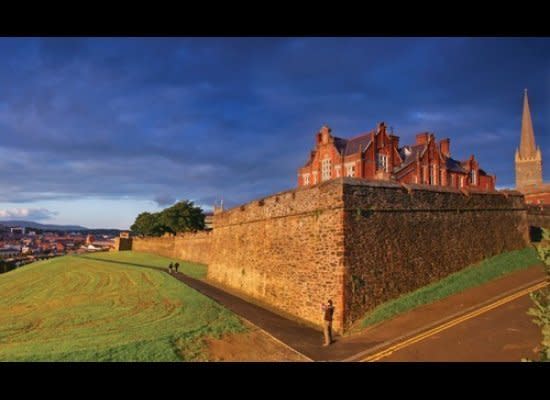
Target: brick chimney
{"type": "Point", "coordinates": [325, 133]}
{"type": "Point", "coordinates": [395, 141]}
{"type": "Point", "coordinates": [444, 146]}
{"type": "Point", "coordinates": [422, 138]}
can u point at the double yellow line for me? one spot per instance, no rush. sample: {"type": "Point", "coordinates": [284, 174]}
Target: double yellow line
{"type": "Point", "coordinates": [456, 321]}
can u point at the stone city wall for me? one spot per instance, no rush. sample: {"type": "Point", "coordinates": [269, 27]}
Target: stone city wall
{"type": "Point", "coordinates": [357, 242]}
{"type": "Point", "coordinates": [399, 238]}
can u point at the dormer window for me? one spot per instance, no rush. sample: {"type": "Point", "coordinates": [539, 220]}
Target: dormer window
{"type": "Point", "coordinates": [473, 177]}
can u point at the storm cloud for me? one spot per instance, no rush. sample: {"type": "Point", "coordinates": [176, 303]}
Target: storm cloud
{"type": "Point", "coordinates": [204, 118]}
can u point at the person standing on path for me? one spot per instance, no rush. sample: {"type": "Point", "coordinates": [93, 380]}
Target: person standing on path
{"type": "Point", "coordinates": [170, 268]}
{"type": "Point", "coordinates": [328, 312]}
{"type": "Point", "coordinates": [176, 266]}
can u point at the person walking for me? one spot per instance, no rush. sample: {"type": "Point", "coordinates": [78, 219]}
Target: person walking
{"type": "Point", "coordinates": [328, 312]}
{"type": "Point", "coordinates": [176, 266]}
{"type": "Point", "coordinates": [170, 266]}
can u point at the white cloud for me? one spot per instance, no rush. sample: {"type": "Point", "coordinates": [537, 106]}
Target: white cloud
{"type": "Point", "coordinates": [429, 116]}
{"type": "Point", "coordinates": [27, 213]}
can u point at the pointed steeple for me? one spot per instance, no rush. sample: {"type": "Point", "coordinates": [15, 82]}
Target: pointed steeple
{"type": "Point", "coordinates": [528, 157]}
{"type": "Point", "coordinates": [527, 147]}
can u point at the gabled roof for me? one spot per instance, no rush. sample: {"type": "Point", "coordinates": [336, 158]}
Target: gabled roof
{"type": "Point", "coordinates": [353, 144]}
{"type": "Point", "coordinates": [349, 146]}
{"type": "Point", "coordinates": [408, 154]}
{"type": "Point", "coordinates": [455, 165]}
{"type": "Point", "coordinates": [340, 144]}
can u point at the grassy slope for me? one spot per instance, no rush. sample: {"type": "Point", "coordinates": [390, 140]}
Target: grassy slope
{"type": "Point", "coordinates": [106, 307]}
{"type": "Point", "coordinates": [474, 275]}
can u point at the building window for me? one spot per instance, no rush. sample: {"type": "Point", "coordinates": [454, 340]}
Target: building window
{"type": "Point", "coordinates": [425, 176]}
{"type": "Point", "coordinates": [453, 180]}
{"type": "Point", "coordinates": [461, 181]}
{"type": "Point", "coordinates": [382, 162]}
{"type": "Point", "coordinates": [314, 177]}
{"type": "Point", "coordinates": [306, 179]}
{"type": "Point", "coordinates": [337, 169]}
{"type": "Point", "coordinates": [350, 170]}
{"type": "Point", "coordinates": [433, 175]}
{"type": "Point", "coordinates": [325, 169]}
{"type": "Point", "coordinates": [473, 177]}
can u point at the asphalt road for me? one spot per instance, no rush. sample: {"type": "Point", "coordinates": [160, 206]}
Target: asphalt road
{"type": "Point", "coordinates": [505, 333]}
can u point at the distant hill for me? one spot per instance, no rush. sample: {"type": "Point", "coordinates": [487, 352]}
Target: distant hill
{"type": "Point", "coordinates": [45, 227]}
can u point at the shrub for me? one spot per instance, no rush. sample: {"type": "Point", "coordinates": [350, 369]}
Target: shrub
{"type": "Point", "coordinates": [541, 299]}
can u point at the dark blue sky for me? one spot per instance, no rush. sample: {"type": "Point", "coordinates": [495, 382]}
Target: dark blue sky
{"type": "Point", "coordinates": [95, 130]}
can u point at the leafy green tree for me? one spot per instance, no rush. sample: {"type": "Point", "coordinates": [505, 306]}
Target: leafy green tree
{"type": "Point", "coordinates": [148, 224]}
{"type": "Point", "coordinates": [183, 216]}
{"type": "Point", "coordinates": [541, 298]}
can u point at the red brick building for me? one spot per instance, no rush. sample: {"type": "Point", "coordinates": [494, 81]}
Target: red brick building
{"type": "Point", "coordinates": [377, 155]}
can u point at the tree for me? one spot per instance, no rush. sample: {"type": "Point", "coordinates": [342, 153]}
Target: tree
{"type": "Point", "coordinates": [541, 298]}
{"type": "Point", "coordinates": [148, 224]}
{"type": "Point", "coordinates": [183, 216]}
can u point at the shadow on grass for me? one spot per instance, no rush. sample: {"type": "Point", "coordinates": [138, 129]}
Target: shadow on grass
{"type": "Point", "coordinates": [125, 263]}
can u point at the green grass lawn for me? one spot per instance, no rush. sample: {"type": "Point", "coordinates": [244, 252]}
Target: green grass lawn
{"type": "Point", "coordinates": [115, 306]}
{"type": "Point", "coordinates": [474, 275]}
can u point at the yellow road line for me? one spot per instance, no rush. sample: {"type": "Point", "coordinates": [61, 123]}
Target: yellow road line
{"type": "Point", "coordinates": [456, 321]}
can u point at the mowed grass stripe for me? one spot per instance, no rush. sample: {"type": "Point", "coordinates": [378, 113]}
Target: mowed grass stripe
{"type": "Point", "coordinates": [106, 307]}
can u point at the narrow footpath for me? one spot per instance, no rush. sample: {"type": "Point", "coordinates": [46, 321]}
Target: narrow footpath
{"type": "Point", "coordinates": [374, 340]}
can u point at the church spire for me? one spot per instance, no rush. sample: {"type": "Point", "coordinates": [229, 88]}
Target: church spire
{"type": "Point", "coordinates": [527, 147]}
{"type": "Point", "coordinates": [528, 156]}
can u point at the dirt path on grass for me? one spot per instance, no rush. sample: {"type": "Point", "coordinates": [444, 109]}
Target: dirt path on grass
{"type": "Point", "coordinates": [254, 345]}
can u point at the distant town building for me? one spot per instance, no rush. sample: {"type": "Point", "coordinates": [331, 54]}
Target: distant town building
{"type": "Point", "coordinates": [17, 230]}
{"type": "Point", "coordinates": [10, 251]}
{"type": "Point", "coordinates": [377, 155]}
{"type": "Point", "coordinates": [90, 239]}
{"type": "Point", "coordinates": [60, 247]}
{"type": "Point", "coordinates": [528, 160]}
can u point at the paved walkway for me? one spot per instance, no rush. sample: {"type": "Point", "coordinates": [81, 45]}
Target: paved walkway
{"type": "Point", "coordinates": [308, 341]}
